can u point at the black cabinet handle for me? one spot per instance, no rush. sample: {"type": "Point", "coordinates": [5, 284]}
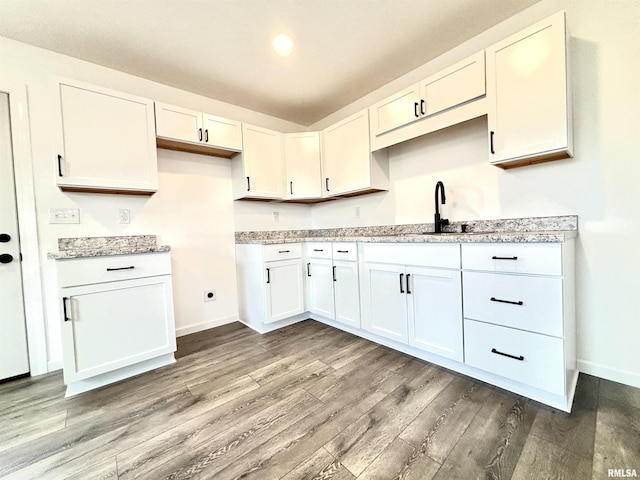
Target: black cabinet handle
{"type": "Point", "coordinates": [503, 258]}
{"type": "Point", "coordinates": [326, 183]}
{"type": "Point", "coordinates": [291, 187]}
{"type": "Point", "coordinates": [200, 134]}
{"type": "Point", "coordinates": [401, 283]}
{"type": "Point", "coordinates": [120, 268]}
{"type": "Point", "coordinates": [505, 301]}
{"type": "Point", "coordinates": [318, 250]}
{"type": "Point", "coordinates": [415, 109]}
{"type": "Point", "coordinates": [268, 276]}
{"type": "Point", "coordinates": [5, 237]}
{"type": "Point", "coordinates": [206, 135]}
{"type": "Point", "coordinates": [491, 138]}
{"type": "Point", "coordinates": [422, 105]}
{"type": "Point", "coordinates": [342, 251]}
{"type": "Point", "coordinates": [334, 273]}
{"type": "Point", "coordinates": [308, 269]}
{"type": "Point", "coordinates": [60, 165]}
{"type": "Point", "coordinates": [520, 357]}
{"type": "Point", "coordinates": [6, 258]}
{"type": "Point", "coordinates": [64, 309]}
{"type": "Point", "coordinates": [408, 286]}
{"type": "Point", "coordinates": [284, 251]}
{"type": "Point", "coordinates": [248, 184]}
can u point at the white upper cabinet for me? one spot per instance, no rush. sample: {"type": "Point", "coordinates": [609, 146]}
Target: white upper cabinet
{"type": "Point", "coordinates": [180, 128]}
{"type": "Point", "coordinates": [259, 172]}
{"type": "Point", "coordinates": [528, 96]}
{"type": "Point", "coordinates": [302, 165]}
{"type": "Point", "coordinates": [107, 142]}
{"type": "Point", "coordinates": [449, 88]}
{"type": "Point", "coordinates": [348, 164]}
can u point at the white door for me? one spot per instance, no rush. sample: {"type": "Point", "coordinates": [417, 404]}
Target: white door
{"type": "Point", "coordinates": [385, 301]}
{"type": "Point", "coordinates": [320, 287]}
{"type": "Point", "coordinates": [347, 293]}
{"type": "Point", "coordinates": [435, 311]}
{"type": "Point", "coordinates": [285, 292]}
{"type": "Point", "coordinates": [14, 359]}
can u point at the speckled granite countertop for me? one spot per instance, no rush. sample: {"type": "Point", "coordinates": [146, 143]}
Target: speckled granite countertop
{"type": "Point", "coordinates": [515, 230]}
{"type": "Point", "coordinates": [80, 247]}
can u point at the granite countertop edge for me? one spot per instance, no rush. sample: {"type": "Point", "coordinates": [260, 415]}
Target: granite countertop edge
{"type": "Point", "coordinates": [104, 252]}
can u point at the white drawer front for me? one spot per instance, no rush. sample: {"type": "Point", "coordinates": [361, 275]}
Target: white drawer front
{"type": "Point", "coordinates": [539, 359]}
{"type": "Point", "coordinates": [281, 251]}
{"type": "Point", "coordinates": [419, 255]}
{"type": "Point", "coordinates": [318, 250]}
{"type": "Point", "coordinates": [345, 251]}
{"type": "Point", "coordinates": [527, 303]}
{"type": "Point", "coordinates": [534, 258]}
{"type": "Point", "coordinates": [89, 270]}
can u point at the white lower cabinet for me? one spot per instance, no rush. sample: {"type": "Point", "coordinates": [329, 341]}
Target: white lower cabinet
{"type": "Point", "coordinates": [417, 305]}
{"type": "Point", "coordinates": [270, 285]}
{"type": "Point", "coordinates": [333, 285]}
{"type": "Point", "coordinates": [117, 312]}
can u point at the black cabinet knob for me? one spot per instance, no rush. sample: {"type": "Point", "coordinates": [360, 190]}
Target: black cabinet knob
{"type": "Point", "coordinates": [5, 237]}
{"type": "Point", "coordinates": [6, 258]}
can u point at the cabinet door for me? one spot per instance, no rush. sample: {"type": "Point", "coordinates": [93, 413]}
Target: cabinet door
{"type": "Point", "coordinates": [108, 141]}
{"type": "Point", "coordinates": [435, 311]}
{"type": "Point", "coordinates": [346, 156]}
{"type": "Point", "coordinates": [116, 324]}
{"type": "Point", "coordinates": [262, 162]}
{"type": "Point", "coordinates": [527, 92]}
{"type": "Point", "coordinates": [285, 292]}
{"type": "Point", "coordinates": [384, 305]}
{"type": "Point", "coordinates": [399, 109]}
{"type": "Point", "coordinates": [453, 86]}
{"type": "Point", "coordinates": [178, 123]}
{"type": "Point", "coordinates": [221, 132]}
{"type": "Point", "coordinates": [302, 165]}
{"type": "Point", "coordinates": [320, 287]}
{"type": "Point", "coordinates": [347, 293]}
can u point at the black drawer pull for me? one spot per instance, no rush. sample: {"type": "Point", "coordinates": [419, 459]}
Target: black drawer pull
{"type": "Point", "coordinates": [342, 251]}
{"type": "Point", "coordinates": [493, 350]}
{"type": "Point", "coordinates": [64, 308]}
{"type": "Point", "coordinates": [308, 269]}
{"type": "Point", "coordinates": [318, 250]}
{"type": "Point", "coordinates": [503, 258]}
{"type": "Point", "coordinates": [284, 251]}
{"type": "Point", "coordinates": [120, 268]}
{"type": "Point", "coordinates": [493, 299]}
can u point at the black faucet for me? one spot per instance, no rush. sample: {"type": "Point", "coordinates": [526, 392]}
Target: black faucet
{"type": "Point", "coordinates": [438, 222]}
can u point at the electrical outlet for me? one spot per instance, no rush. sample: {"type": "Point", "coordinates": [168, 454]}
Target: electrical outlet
{"type": "Point", "coordinates": [276, 217]}
{"type": "Point", "coordinates": [210, 296]}
{"type": "Point", "coordinates": [64, 215]}
{"type": "Point", "coordinates": [123, 215]}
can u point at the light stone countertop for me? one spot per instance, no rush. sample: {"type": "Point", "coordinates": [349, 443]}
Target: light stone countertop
{"type": "Point", "coordinates": [518, 230]}
{"type": "Point", "coordinates": [80, 247]}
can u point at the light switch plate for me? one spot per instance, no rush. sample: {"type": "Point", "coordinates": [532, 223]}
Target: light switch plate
{"type": "Point", "coordinates": [64, 215]}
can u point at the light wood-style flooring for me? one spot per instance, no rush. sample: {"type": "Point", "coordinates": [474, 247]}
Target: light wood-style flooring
{"type": "Point", "coordinates": [309, 402]}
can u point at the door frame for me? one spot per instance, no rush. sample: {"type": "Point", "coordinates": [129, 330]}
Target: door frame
{"type": "Point", "coordinates": [32, 291]}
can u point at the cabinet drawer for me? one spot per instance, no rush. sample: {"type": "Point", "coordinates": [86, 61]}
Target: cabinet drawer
{"type": "Point", "coordinates": [432, 255]}
{"type": "Point", "coordinates": [345, 251]}
{"type": "Point", "coordinates": [526, 303]}
{"type": "Point", "coordinates": [281, 251]}
{"type": "Point", "coordinates": [85, 271]}
{"type": "Point", "coordinates": [534, 258]}
{"type": "Point", "coordinates": [538, 362]}
{"type": "Point", "coordinates": [318, 250]}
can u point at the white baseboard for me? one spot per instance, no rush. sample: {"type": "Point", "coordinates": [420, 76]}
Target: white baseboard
{"type": "Point", "coordinates": [608, 373]}
{"type": "Point", "coordinates": [198, 327]}
{"type": "Point", "coordinates": [53, 365]}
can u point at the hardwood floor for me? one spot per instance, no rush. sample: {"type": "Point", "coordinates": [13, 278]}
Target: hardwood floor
{"type": "Point", "coordinates": [309, 402]}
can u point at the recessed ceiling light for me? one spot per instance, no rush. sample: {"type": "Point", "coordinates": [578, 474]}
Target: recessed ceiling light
{"type": "Point", "coordinates": [283, 45]}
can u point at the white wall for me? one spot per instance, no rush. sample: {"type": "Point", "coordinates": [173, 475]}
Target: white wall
{"type": "Point", "coordinates": [193, 210]}
{"type": "Point", "coordinates": [600, 184]}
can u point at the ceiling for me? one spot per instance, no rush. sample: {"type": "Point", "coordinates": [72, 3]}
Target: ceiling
{"type": "Point", "coordinates": [343, 49]}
